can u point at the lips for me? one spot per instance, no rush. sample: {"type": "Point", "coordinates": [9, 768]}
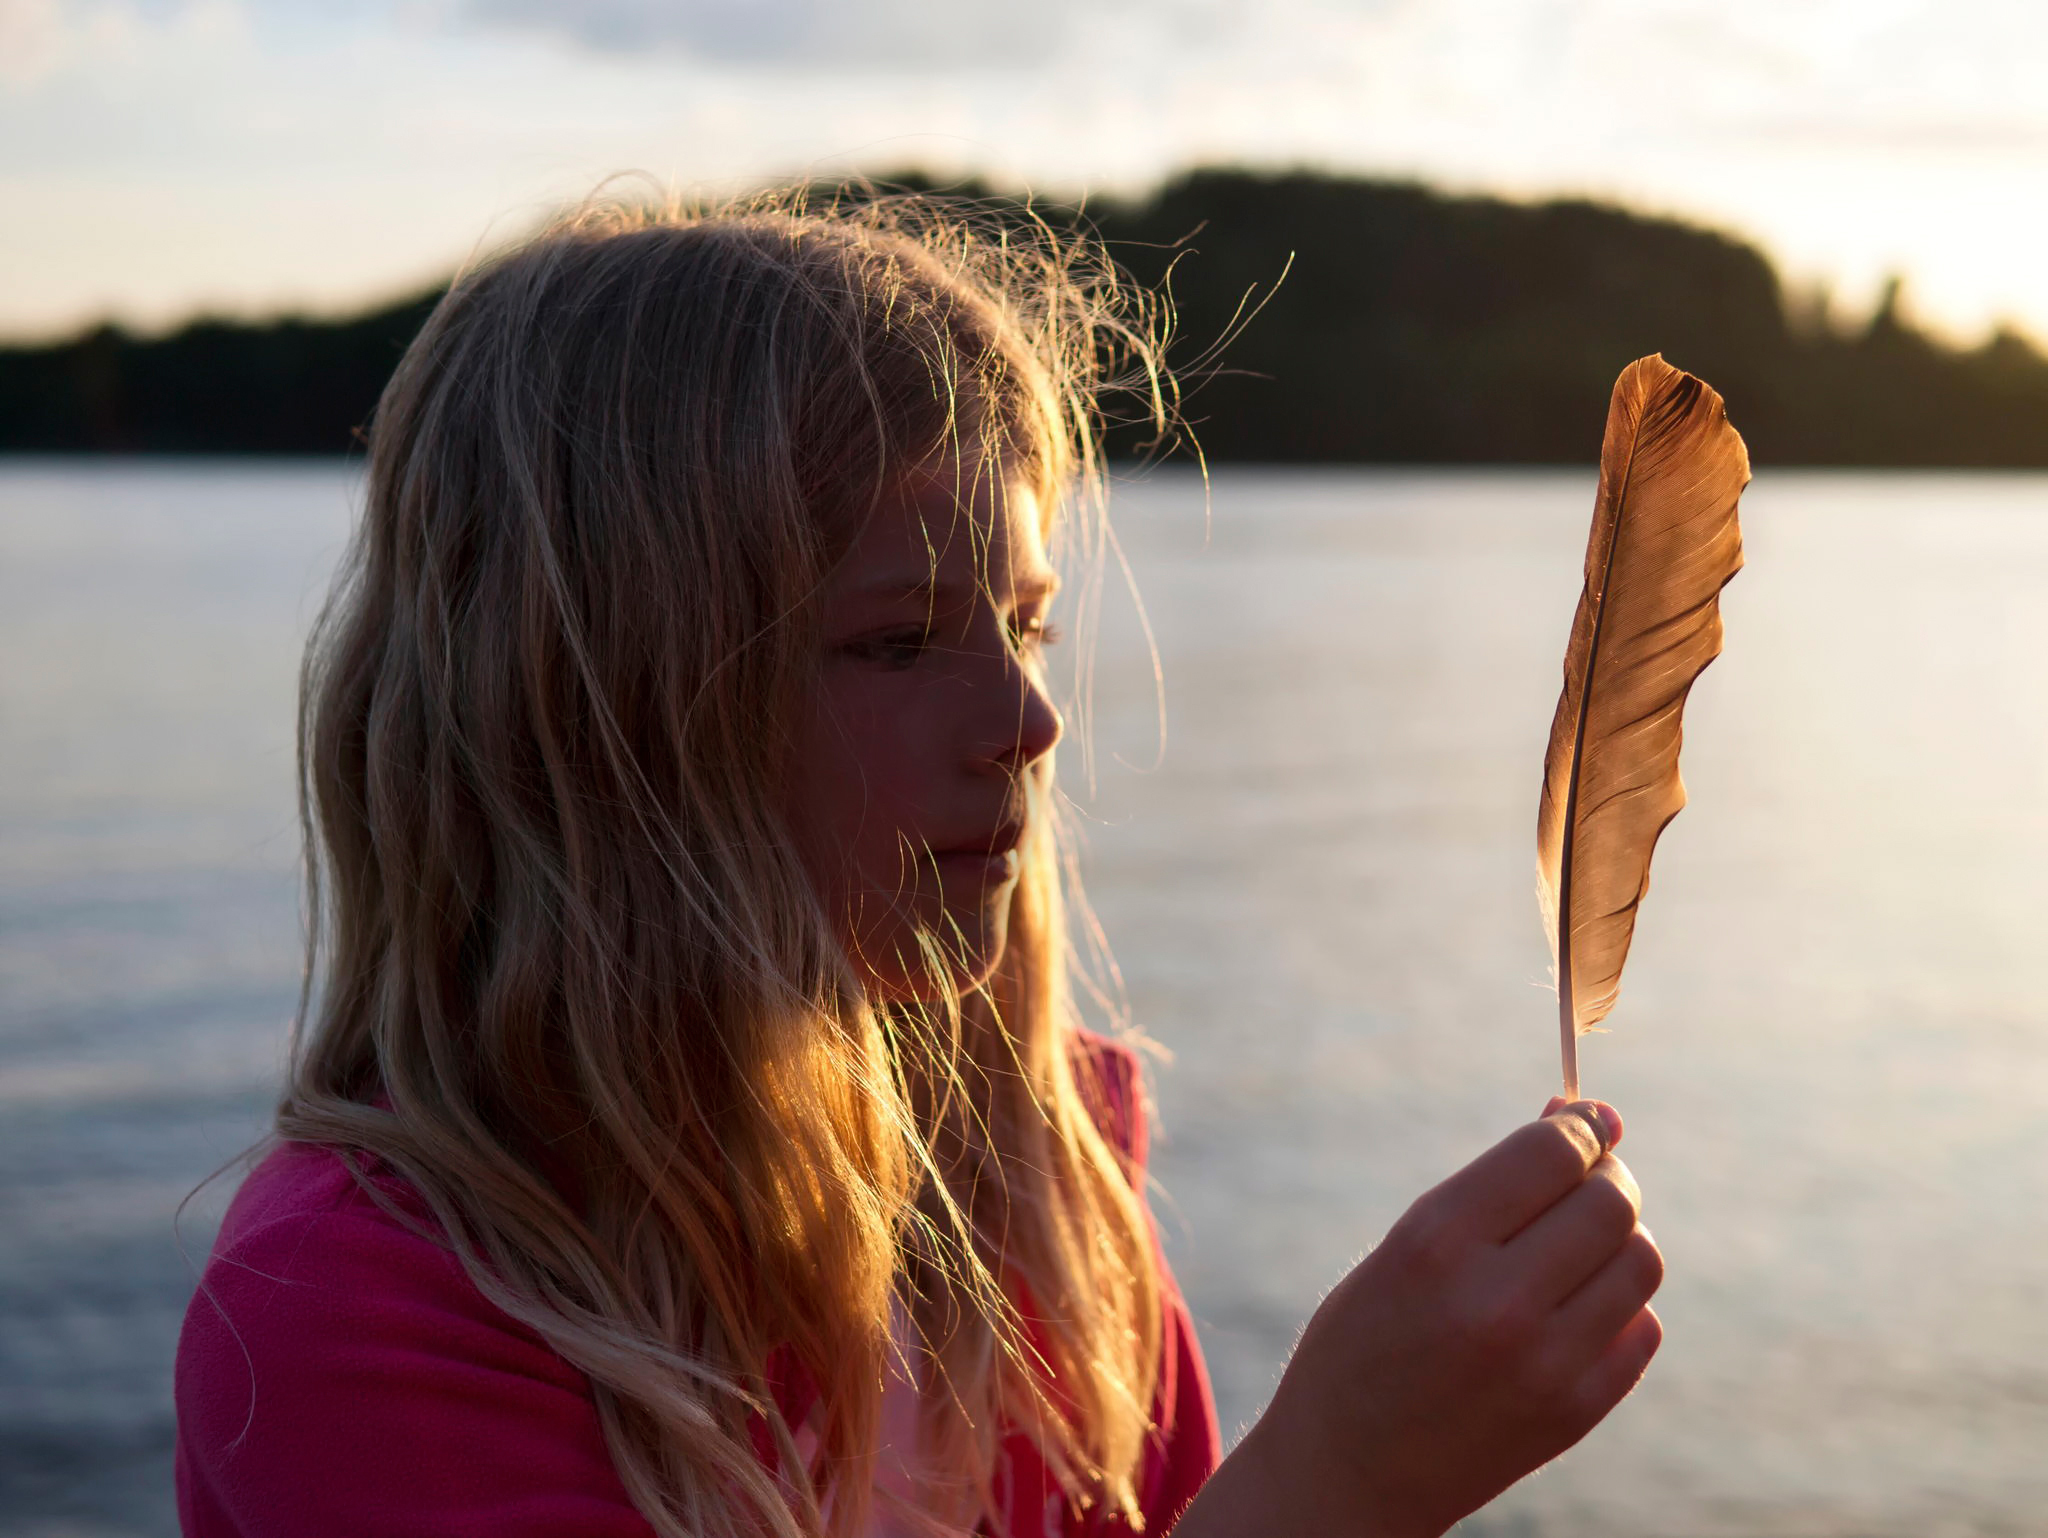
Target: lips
{"type": "Point", "coordinates": [989, 861]}
{"type": "Point", "coordinates": [1003, 840]}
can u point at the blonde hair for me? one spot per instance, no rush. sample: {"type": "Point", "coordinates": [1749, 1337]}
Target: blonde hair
{"type": "Point", "coordinates": [567, 977]}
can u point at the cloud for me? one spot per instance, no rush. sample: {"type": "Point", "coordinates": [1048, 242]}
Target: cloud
{"type": "Point", "coordinates": [32, 39]}
{"type": "Point", "coordinates": [42, 39]}
{"type": "Point", "coordinates": [238, 153]}
{"type": "Point", "coordinates": [867, 34]}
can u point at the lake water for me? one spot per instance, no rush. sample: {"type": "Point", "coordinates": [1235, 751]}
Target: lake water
{"type": "Point", "coordinates": [1832, 1044]}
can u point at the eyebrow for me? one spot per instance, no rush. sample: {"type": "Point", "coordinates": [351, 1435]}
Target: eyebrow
{"type": "Point", "coordinates": [1042, 583]}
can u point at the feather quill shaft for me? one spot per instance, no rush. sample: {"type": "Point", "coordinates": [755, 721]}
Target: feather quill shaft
{"type": "Point", "coordinates": [1665, 540]}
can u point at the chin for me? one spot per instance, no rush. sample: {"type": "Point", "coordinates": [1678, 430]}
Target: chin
{"type": "Point", "coordinates": [987, 931]}
{"type": "Point", "coordinates": [973, 949]}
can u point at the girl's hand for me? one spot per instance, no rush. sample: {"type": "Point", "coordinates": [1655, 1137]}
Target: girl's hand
{"type": "Point", "coordinates": [1501, 1318]}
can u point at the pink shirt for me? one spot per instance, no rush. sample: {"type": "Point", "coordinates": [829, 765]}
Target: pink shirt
{"type": "Point", "coordinates": [340, 1375]}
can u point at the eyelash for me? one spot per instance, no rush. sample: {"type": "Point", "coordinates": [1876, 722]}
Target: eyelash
{"type": "Point", "coordinates": [1036, 632]}
{"type": "Point", "coordinates": [897, 649]}
{"type": "Point", "coordinates": [901, 649]}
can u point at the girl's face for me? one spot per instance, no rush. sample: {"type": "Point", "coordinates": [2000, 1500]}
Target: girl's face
{"type": "Point", "coordinates": [925, 729]}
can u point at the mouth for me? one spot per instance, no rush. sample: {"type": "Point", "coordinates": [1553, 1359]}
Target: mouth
{"type": "Point", "coordinates": [986, 862]}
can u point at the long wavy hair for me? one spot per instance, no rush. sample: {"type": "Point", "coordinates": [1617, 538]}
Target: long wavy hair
{"type": "Point", "coordinates": [567, 977]}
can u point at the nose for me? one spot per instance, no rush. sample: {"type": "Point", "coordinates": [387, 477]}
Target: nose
{"type": "Point", "coordinates": [1024, 725]}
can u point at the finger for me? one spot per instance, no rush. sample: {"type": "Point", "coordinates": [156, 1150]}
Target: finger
{"type": "Point", "coordinates": [1555, 1254]}
{"type": "Point", "coordinates": [1601, 1117]}
{"type": "Point", "coordinates": [1621, 1366]}
{"type": "Point", "coordinates": [1502, 1190]}
{"type": "Point", "coordinates": [1610, 1298]}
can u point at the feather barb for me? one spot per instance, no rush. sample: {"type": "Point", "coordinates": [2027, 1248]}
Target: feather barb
{"type": "Point", "coordinates": [1665, 540]}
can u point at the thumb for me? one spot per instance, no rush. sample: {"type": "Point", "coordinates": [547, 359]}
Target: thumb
{"type": "Point", "coordinates": [1598, 1114]}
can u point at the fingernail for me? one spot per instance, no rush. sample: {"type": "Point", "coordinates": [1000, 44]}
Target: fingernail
{"type": "Point", "coordinates": [1610, 1119]}
{"type": "Point", "coordinates": [1602, 1118]}
{"type": "Point", "coordinates": [1557, 1103]}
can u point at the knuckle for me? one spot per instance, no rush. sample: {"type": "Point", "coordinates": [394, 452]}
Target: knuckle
{"type": "Point", "coordinates": [1567, 1144]}
{"type": "Point", "coordinates": [1646, 1262]}
{"type": "Point", "coordinates": [1601, 1391]}
{"type": "Point", "coordinates": [1613, 1205]}
{"type": "Point", "coordinates": [1652, 1337]}
{"type": "Point", "coordinates": [1623, 1178]}
{"type": "Point", "coordinates": [1625, 1367]}
{"type": "Point", "coordinates": [1593, 1386]}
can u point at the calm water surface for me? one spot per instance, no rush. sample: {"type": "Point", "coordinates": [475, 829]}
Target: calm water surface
{"type": "Point", "coordinates": [1832, 1045]}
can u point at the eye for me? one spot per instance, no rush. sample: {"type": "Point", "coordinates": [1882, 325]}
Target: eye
{"type": "Point", "coordinates": [1029, 632]}
{"type": "Point", "coordinates": [899, 648]}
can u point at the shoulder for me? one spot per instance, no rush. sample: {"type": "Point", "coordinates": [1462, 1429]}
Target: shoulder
{"type": "Point", "coordinates": [303, 1210]}
{"type": "Point", "coordinates": [340, 1372]}
{"type": "Point", "coordinates": [307, 1253]}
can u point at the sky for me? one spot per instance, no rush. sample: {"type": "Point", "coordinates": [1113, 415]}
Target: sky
{"type": "Point", "coordinates": [160, 158]}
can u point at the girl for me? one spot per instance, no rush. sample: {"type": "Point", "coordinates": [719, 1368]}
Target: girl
{"type": "Point", "coordinates": [693, 1133]}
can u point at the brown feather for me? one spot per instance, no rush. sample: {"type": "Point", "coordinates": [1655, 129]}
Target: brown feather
{"type": "Point", "coordinates": [1664, 542]}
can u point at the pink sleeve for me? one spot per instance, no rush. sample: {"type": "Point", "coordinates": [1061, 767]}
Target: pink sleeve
{"type": "Point", "coordinates": [1188, 1443]}
{"type": "Point", "coordinates": [341, 1376]}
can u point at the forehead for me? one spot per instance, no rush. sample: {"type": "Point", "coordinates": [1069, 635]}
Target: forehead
{"type": "Point", "coordinates": [983, 527]}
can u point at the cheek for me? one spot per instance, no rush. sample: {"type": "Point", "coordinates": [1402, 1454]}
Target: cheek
{"type": "Point", "coordinates": [855, 792]}
{"type": "Point", "coordinates": [871, 775]}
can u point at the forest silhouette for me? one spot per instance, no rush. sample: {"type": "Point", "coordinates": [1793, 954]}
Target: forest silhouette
{"type": "Point", "coordinates": [1410, 327]}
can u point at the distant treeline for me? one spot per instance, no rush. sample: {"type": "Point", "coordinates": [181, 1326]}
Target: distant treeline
{"type": "Point", "coordinates": [1411, 327]}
